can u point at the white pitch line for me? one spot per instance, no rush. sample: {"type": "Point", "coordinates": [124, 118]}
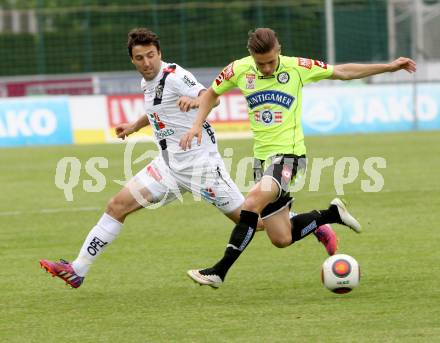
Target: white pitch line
{"type": "Point", "coordinates": [10, 213]}
{"type": "Point", "coordinates": [50, 211]}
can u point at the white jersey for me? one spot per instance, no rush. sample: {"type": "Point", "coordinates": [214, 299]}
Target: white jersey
{"type": "Point", "coordinates": [199, 170]}
{"type": "Point", "coordinates": [169, 123]}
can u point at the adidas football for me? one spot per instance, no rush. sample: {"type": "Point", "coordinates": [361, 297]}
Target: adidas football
{"type": "Point", "coordinates": [340, 273]}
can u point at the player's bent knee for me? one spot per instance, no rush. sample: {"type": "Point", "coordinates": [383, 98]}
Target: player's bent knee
{"type": "Point", "coordinates": [116, 208]}
{"type": "Point", "coordinates": [281, 242]}
{"type": "Point", "coordinates": [252, 202]}
{"type": "Point", "coordinates": [251, 205]}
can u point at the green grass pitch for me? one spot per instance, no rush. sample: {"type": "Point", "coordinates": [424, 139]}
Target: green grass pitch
{"type": "Point", "coordinates": [137, 291]}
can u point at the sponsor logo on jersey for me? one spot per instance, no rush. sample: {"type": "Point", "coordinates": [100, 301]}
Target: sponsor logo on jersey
{"type": "Point", "coordinates": [95, 245]}
{"type": "Point", "coordinates": [250, 81]}
{"type": "Point", "coordinates": [164, 133]}
{"type": "Point", "coordinates": [190, 83]}
{"type": "Point", "coordinates": [268, 117]}
{"type": "Point", "coordinates": [305, 62]}
{"type": "Point", "coordinates": [160, 130]}
{"type": "Point", "coordinates": [157, 123]}
{"type": "Point", "coordinates": [225, 74]}
{"type": "Point", "coordinates": [270, 97]}
{"type": "Point", "coordinates": [320, 64]}
{"type": "Point", "coordinates": [283, 77]}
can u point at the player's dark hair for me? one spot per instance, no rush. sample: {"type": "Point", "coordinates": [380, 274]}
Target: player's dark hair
{"type": "Point", "coordinates": [262, 40]}
{"type": "Point", "coordinates": [142, 36]}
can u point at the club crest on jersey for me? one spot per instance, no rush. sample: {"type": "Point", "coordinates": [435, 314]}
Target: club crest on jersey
{"type": "Point", "coordinates": [250, 81]}
{"type": "Point", "coordinates": [159, 91]}
{"type": "Point", "coordinates": [270, 97]}
{"type": "Point", "coordinates": [268, 117]}
{"type": "Point", "coordinates": [283, 77]}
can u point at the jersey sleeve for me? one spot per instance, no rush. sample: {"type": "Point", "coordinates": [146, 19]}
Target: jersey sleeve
{"type": "Point", "coordinates": [312, 70]}
{"type": "Point", "coordinates": [185, 84]}
{"type": "Point", "coordinates": [225, 81]}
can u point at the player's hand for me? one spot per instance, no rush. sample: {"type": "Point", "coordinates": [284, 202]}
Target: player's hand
{"type": "Point", "coordinates": [186, 103]}
{"type": "Point", "coordinates": [123, 130]}
{"type": "Point", "coordinates": [185, 141]}
{"type": "Point", "coordinates": [403, 63]}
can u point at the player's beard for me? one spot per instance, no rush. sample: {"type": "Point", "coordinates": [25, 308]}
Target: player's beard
{"type": "Point", "coordinates": [149, 76]}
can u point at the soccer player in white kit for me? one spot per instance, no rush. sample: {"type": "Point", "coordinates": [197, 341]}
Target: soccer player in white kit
{"type": "Point", "coordinates": [171, 96]}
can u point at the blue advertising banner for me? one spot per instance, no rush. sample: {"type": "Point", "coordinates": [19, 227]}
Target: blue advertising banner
{"type": "Point", "coordinates": [351, 109]}
{"type": "Point", "coordinates": [428, 106]}
{"type": "Point", "coordinates": [34, 121]}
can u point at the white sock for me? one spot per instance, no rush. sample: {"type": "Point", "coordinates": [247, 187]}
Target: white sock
{"type": "Point", "coordinates": [97, 240]}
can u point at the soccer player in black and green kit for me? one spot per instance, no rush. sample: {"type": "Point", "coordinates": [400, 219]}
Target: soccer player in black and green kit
{"type": "Point", "coordinates": [272, 85]}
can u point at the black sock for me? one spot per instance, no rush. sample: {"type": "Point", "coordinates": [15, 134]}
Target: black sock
{"type": "Point", "coordinates": [306, 223]}
{"type": "Point", "coordinates": [241, 236]}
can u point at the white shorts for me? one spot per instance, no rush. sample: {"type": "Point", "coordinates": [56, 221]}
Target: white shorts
{"type": "Point", "coordinates": [210, 182]}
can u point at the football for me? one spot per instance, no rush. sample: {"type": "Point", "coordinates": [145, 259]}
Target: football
{"type": "Point", "coordinates": [340, 273]}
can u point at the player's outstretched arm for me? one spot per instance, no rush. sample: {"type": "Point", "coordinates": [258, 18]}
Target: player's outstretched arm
{"type": "Point", "coordinates": [125, 129]}
{"type": "Point", "coordinates": [198, 99]}
{"type": "Point", "coordinates": [206, 104]}
{"type": "Point", "coordinates": [352, 71]}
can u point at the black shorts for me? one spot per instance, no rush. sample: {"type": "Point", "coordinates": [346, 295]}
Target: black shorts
{"type": "Point", "coordinates": [283, 169]}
